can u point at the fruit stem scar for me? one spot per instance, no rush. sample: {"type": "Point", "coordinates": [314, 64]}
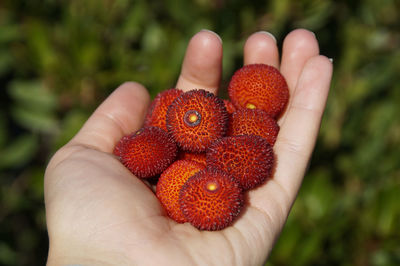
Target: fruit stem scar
{"type": "Point", "coordinates": [192, 118]}
{"type": "Point", "coordinates": [212, 186]}
{"type": "Point", "coordinates": [250, 106]}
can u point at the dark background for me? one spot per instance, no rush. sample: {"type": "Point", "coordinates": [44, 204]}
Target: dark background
{"type": "Point", "coordinates": [60, 59]}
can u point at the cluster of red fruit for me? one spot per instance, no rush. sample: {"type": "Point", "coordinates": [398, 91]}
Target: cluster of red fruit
{"type": "Point", "coordinates": [209, 151]}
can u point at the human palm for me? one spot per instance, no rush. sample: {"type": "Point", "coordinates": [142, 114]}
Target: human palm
{"type": "Point", "coordinates": [98, 213]}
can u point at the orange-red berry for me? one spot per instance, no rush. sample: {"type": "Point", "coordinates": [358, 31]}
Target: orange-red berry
{"type": "Point", "coordinates": [199, 157]}
{"type": "Point", "coordinates": [156, 115]}
{"type": "Point", "coordinates": [248, 158]}
{"type": "Point", "coordinates": [254, 122]}
{"type": "Point", "coordinates": [229, 106]}
{"type": "Point", "coordinates": [259, 86]}
{"type": "Point", "coordinates": [171, 182]}
{"type": "Point", "coordinates": [196, 119]}
{"type": "Point", "coordinates": [146, 152]}
{"type": "Point", "coordinates": [211, 199]}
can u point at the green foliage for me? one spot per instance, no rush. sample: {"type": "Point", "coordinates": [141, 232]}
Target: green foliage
{"type": "Point", "coordinates": [60, 59]}
{"type": "Point", "coordinates": [34, 106]}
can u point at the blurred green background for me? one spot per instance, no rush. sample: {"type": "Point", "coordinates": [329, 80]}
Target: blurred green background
{"type": "Point", "coordinates": [60, 59]}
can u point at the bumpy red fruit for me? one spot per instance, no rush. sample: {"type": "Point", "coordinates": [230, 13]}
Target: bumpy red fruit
{"type": "Point", "coordinates": [156, 115]}
{"type": "Point", "coordinates": [231, 109]}
{"type": "Point", "coordinates": [146, 152]}
{"type": "Point", "coordinates": [170, 184]}
{"type": "Point", "coordinates": [118, 149]}
{"type": "Point", "coordinates": [248, 158]}
{"type": "Point", "coordinates": [211, 199]}
{"type": "Point", "coordinates": [199, 157]}
{"type": "Point", "coordinates": [254, 122]}
{"type": "Point", "coordinates": [259, 86]}
{"type": "Point", "coordinates": [196, 119]}
{"type": "Point", "coordinates": [229, 106]}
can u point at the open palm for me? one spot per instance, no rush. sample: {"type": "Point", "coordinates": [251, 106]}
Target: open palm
{"type": "Point", "coordinates": [98, 213]}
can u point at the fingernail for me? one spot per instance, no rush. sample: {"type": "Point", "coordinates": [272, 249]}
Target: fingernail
{"type": "Point", "coordinates": [331, 59]}
{"type": "Point", "coordinates": [210, 31]}
{"type": "Point", "coordinates": [269, 34]}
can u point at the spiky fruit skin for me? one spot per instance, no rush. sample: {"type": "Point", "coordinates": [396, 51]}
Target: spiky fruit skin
{"type": "Point", "coordinates": [254, 122]}
{"type": "Point", "coordinates": [146, 152]}
{"type": "Point", "coordinates": [259, 86]}
{"type": "Point", "coordinates": [231, 109]}
{"type": "Point", "coordinates": [248, 158]}
{"type": "Point", "coordinates": [193, 156]}
{"type": "Point", "coordinates": [156, 115]}
{"type": "Point", "coordinates": [211, 199]}
{"type": "Point", "coordinates": [170, 184]}
{"type": "Point", "coordinates": [229, 106]}
{"type": "Point", "coordinates": [118, 149]}
{"type": "Point", "coordinates": [196, 119]}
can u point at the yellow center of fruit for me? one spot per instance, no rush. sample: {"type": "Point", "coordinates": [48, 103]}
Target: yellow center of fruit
{"type": "Point", "coordinates": [250, 106]}
{"type": "Point", "coordinates": [212, 186]}
{"type": "Point", "coordinates": [192, 118]}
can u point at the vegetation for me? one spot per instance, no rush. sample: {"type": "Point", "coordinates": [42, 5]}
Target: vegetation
{"type": "Point", "coordinates": [60, 59]}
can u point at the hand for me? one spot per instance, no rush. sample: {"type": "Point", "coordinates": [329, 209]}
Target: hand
{"type": "Point", "coordinates": [98, 213]}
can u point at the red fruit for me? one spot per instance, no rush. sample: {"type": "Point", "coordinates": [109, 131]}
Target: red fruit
{"type": "Point", "coordinates": [211, 199]}
{"type": "Point", "coordinates": [259, 86]}
{"type": "Point", "coordinates": [146, 152]}
{"type": "Point", "coordinates": [156, 115]}
{"type": "Point", "coordinates": [229, 106]}
{"type": "Point", "coordinates": [196, 119]}
{"type": "Point", "coordinates": [254, 122]}
{"type": "Point", "coordinates": [170, 184]}
{"type": "Point", "coordinates": [231, 109]}
{"type": "Point", "coordinates": [193, 156]}
{"type": "Point", "coordinates": [248, 158]}
{"type": "Point", "coordinates": [118, 149]}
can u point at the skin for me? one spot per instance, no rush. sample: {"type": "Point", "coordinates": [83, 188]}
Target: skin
{"type": "Point", "coordinates": [98, 213]}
